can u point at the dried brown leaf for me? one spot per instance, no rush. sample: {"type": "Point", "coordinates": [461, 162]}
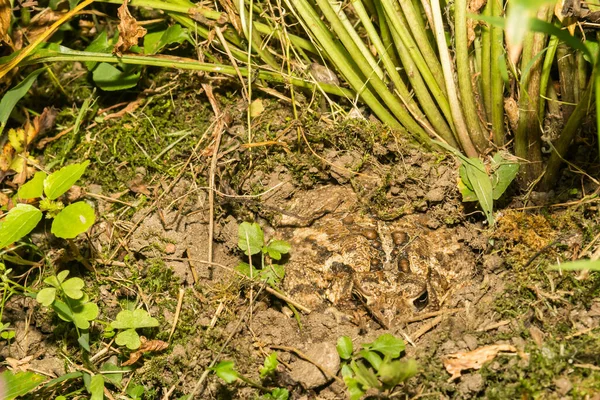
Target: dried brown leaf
{"type": "Point", "coordinates": [147, 345]}
{"type": "Point", "coordinates": [129, 31]}
{"type": "Point", "coordinates": [5, 17]}
{"type": "Point", "coordinates": [41, 22]}
{"type": "Point", "coordinates": [458, 362]}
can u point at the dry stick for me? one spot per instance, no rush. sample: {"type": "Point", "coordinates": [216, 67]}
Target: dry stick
{"type": "Point", "coordinates": [426, 328]}
{"type": "Point", "coordinates": [233, 62]}
{"type": "Point", "coordinates": [300, 354]}
{"type": "Point", "coordinates": [177, 312]}
{"type": "Point", "coordinates": [213, 166]}
{"type": "Point", "coordinates": [493, 326]}
{"type": "Point", "coordinates": [155, 202]}
{"type": "Point", "coordinates": [270, 290]}
{"type": "Point", "coordinates": [428, 315]}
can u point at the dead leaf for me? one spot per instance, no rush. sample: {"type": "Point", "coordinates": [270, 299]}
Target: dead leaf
{"type": "Point", "coordinates": [5, 17]}
{"type": "Point", "coordinates": [256, 108]}
{"type": "Point", "coordinates": [458, 362]}
{"type": "Point", "coordinates": [19, 365]}
{"type": "Point", "coordinates": [137, 185]}
{"type": "Point", "coordinates": [129, 31]}
{"type": "Point", "coordinates": [147, 346]}
{"type": "Point", "coordinates": [40, 23]}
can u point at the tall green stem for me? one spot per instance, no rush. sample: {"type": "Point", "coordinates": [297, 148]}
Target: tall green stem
{"type": "Point", "coordinates": [496, 81]}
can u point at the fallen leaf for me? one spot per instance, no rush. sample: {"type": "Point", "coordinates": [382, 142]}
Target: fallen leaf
{"type": "Point", "coordinates": [129, 31]}
{"type": "Point", "coordinates": [256, 108]}
{"type": "Point", "coordinates": [5, 16]}
{"type": "Point", "coordinates": [40, 23]}
{"type": "Point", "coordinates": [146, 346]}
{"type": "Point", "coordinates": [458, 362]}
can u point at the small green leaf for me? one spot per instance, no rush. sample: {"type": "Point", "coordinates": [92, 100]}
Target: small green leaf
{"type": "Point", "coordinates": [97, 387]}
{"type": "Point", "coordinates": [34, 188]}
{"type": "Point", "coordinates": [250, 238]}
{"type": "Point", "coordinates": [138, 318]}
{"type": "Point", "coordinates": [114, 378]}
{"type": "Point", "coordinates": [270, 365]}
{"type": "Point", "coordinates": [72, 288]}
{"type": "Point", "coordinates": [272, 274]}
{"type": "Point", "coordinates": [344, 347]}
{"type": "Point", "coordinates": [129, 338]}
{"type": "Point", "coordinates": [393, 373]}
{"type": "Point", "coordinates": [136, 392]}
{"type": "Point", "coordinates": [226, 371]}
{"type": "Point", "coordinates": [354, 388]}
{"type": "Point", "coordinates": [482, 186]}
{"type": "Point", "coordinates": [504, 172]}
{"type": "Point", "coordinates": [19, 384]}
{"type": "Point", "coordinates": [110, 78]}
{"type": "Point", "coordinates": [156, 41]}
{"type": "Point", "coordinates": [372, 357]}
{"type": "Point", "coordinates": [61, 276]}
{"type": "Point", "coordinates": [73, 220]}
{"type": "Point", "coordinates": [46, 296]}
{"type": "Point", "coordinates": [279, 394]}
{"type": "Point", "coordinates": [387, 344]}
{"type": "Point", "coordinates": [276, 248]}
{"type": "Point", "coordinates": [244, 268]}
{"type": "Point", "coordinates": [7, 335]}
{"type": "Point", "coordinates": [63, 311]}
{"type": "Point", "coordinates": [100, 44]}
{"type": "Point", "coordinates": [84, 341]}
{"type": "Point", "coordinates": [12, 97]}
{"type": "Point", "coordinates": [60, 181]}
{"type": "Point", "coordinates": [464, 185]}
{"type": "Point", "coordinates": [364, 375]}
{"type": "Point", "coordinates": [17, 223]}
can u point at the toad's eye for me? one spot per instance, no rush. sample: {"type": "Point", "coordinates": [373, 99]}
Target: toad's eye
{"type": "Point", "coordinates": [422, 301]}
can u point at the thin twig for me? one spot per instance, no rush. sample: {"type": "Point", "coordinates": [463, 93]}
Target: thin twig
{"type": "Point", "coordinates": [177, 312]}
{"type": "Point", "coordinates": [300, 354]}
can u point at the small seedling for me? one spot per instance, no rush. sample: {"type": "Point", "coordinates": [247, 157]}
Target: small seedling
{"type": "Point", "coordinates": [251, 241]}
{"type": "Point", "coordinates": [128, 321]}
{"type": "Point", "coordinates": [227, 372]}
{"type": "Point", "coordinates": [5, 332]}
{"type": "Point", "coordinates": [71, 304]}
{"type": "Point", "coordinates": [68, 222]}
{"type": "Point", "coordinates": [375, 366]}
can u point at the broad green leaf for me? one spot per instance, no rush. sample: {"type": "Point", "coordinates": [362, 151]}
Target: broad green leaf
{"type": "Point", "coordinates": [250, 238]}
{"type": "Point", "coordinates": [244, 268]}
{"type": "Point", "coordinates": [114, 378]}
{"type": "Point", "coordinates": [387, 344]}
{"type": "Point", "coordinates": [64, 378]}
{"type": "Point", "coordinates": [393, 373]}
{"type": "Point", "coordinates": [276, 248]}
{"type": "Point", "coordinates": [504, 172]}
{"type": "Point", "coordinates": [60, 181]}
{"type": "Point", "coordinates": [344, 347]}
{"type": "Point", "coordinates": [46, 296]}
{"type": "Point", "coordinates": [100, 44]}
{"type": "Point", "coordinates": [14, 385]}
{"type": "Point", "coordinates": [73, 220]}
{"type": "Point", "coordinates": [154, 42]}
{"type": "Point", "coordinates": [578, 265]}
{"type": "Point", "coordinates": [365, 376]}
{"type": "Point", "coordinates": [12, 97]}
{"type": "Point", "coordinates": [34, 188]}
{"type": "Point", "coordinates": [110, 78]}
{"type": "Point", "coordinates": [226, 371]}
{"type": "Point", "coordinates": [372, 357]}
{"type": "Point", "coordinates": [354, 388]}
{"type": "Point", "coordinates": [270, 365]}
{"type": "Point", "coordinates": [72, 288]}
{"type": "Point", "coordinates": [129, 338]}
{"type": "Point", "coordinates": [346, 371]}
{"type": "Point", "coordinates": [482, 186]}
{"type": "Point", "coordinates": [17, 223]}
{"type": "Point", "coordinates": [272, 274]}
{"type": "Point", "coordinates": [62, 310]}
{"type": "Point", "coordinates": [138, 318]}
{"type": "Point", "coordinates": [97, 387]}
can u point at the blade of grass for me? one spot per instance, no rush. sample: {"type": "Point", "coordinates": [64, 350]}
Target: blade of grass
{"type": "Point", "coordinates": [459, 122]}
{"type": "Point", "coordinates": [464, 77]}
{"type": "Point", "coordinates": [546, 68]}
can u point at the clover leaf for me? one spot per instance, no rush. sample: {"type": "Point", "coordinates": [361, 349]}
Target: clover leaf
{"type": "Point", "coordinates": [129, 321]}
{"type": "Point", "coordinates": [251, 238]}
